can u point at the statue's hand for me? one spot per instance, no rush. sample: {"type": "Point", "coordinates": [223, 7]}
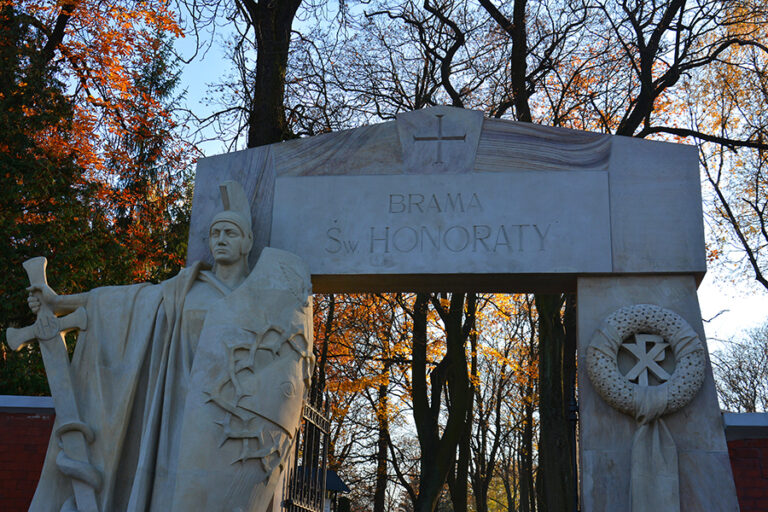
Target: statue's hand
{"type": "Point", "coordinates": [42, 294]}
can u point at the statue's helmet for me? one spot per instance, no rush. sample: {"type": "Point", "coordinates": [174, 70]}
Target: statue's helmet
{"type": "Point", "coordinates": [236, 210]}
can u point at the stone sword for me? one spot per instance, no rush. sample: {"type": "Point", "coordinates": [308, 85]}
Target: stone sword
{"type": "Point", "coordinates": [73, 435]}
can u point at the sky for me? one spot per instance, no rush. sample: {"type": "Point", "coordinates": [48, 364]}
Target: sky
{"type": "Point", "coordinates": [741, 306]}
{"type": "Point", "coordinates": [203, 71]}
{"type": "Point", "coordinates": [728, 306]}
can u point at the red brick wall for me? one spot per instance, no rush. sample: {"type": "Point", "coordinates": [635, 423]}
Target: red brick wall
{"type": "Point", "coordinates": [23, 442]}
{"type": "Point", "coordinates": [749, 460]}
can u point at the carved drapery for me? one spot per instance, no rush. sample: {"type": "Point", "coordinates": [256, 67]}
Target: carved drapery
{"type": "Point", "coordinates": [647, 391]}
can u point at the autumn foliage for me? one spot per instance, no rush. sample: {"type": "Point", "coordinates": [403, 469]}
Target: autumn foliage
{"type": "Point", "coordinates": [367, 345]}
{"type": "Point", "coordinates": [91, 174]}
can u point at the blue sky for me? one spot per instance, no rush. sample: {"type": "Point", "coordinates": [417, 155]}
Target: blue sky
{"type": "Point", "coordinates": [736, 303]}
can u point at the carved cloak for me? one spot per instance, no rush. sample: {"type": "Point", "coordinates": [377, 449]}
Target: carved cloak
{"type": "Point", "coordinates": [183, 422]}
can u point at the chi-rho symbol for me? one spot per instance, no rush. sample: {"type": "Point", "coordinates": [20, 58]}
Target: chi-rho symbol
{"type": "Point", "coordinates": [648, 359]}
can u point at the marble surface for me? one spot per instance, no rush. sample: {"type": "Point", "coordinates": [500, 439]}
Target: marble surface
{"type": "Point", "coordinates": [656, 212]}
{"type": "Point", "coordinates": [647, 248]}
{"type": "Point", "coordinates": [606, 434]}
{"type": "Point", "coordinates": [182, 395]}
{"type": "Point", "coordinates": [653, 193]}
{"type": "Point", "coordinates": [246, 390]}
{"type": "Point", "coordinates": [370, 149]}
{"type": "Point", "coordinates": [439, 141]}
{"type": "Point", "coordinates": [482, 223]}
{"type": "Point", "coordinates": [253, 169]}
{"type": "Point", "coordinates": [509, 144]}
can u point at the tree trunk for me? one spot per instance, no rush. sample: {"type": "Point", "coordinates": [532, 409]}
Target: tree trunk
{"type": "Point", "coordinates": [555, 475]}
{"type": "Point", "coordinates": [460, 482]}
{"type": "Point", "coordinates": [380, 492]}
{"type": "Point", "coordinates": [450, 376]}
{"type": "Point", "coordinates": [272, 23]}
{"type": "Point", "coordinates": [527, 487]}
{"type": "Point", "coordinates": [429, 482]}
{"type": "Point", "coordinates": [554, 426]}
{"type": "Point", "coordinates": [569, 380]}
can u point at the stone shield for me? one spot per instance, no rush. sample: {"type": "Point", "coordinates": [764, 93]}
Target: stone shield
{"type": "Point", "coordinates": [246, 390]}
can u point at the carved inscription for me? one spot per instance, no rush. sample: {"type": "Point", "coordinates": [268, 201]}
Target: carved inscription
{"type": "Point", "coordinates": [433, 203]}
{"type": "Point", "coordinates": [423, 229]}
{"type": "Point", "coordinates": [515, 222]}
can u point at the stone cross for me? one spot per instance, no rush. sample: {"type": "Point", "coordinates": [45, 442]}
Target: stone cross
{"type": "Point", "coordinates": [439, 138]}
{"type": "Point", "coordinates": [72, 433]}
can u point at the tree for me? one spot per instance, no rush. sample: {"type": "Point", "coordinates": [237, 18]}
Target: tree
{"type": "Point", "coordinates": [88, 120]}
{"type": "Point", "coordinates": [556, 487]}
{"type": "Point", "coordinates": [365, 340]}
{"type": "Point", "coordinates": [439, 443]}
{"type": "Point", "coordinates": [271, 22]}
{"type": "Point", "coordinates": [557, 345]}
{"type": "Point", "coordinates": [682, 71]}
{"type": "Point", "coordinates": [505, 362]}
{"type": "Point", "coordinates": [254, 106]}
{"type": "Point", "coordinates": [151, 195]}
{"type": "Point", "coordinates": [47, 204]}
{"type": "Point", "coordinates": [741, 372]}
{"type": "Point", "coordinates": [734, 157]}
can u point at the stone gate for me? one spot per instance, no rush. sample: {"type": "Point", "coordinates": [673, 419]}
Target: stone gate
{"type": "Point", "coordinates": [445, 199]}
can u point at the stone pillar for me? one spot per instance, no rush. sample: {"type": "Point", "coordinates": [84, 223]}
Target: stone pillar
{"type": "Point", "coordinates": [706, 481]}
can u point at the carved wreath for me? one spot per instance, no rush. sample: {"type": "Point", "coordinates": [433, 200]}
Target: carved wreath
{"type": "Point", "coordinates": [645, 319]}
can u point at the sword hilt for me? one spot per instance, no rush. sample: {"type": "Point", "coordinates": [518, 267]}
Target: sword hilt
{"type": "Point", "coordinates": [17, 338]}
{"type": "Point", "coordinates": [35, 268]}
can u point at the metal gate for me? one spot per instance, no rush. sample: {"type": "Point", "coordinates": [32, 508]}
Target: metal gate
{"type": "Point", "coordinates": [304, 489]}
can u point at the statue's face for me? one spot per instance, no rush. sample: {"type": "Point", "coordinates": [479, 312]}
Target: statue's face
{"type": "Point", "coordinates": [227, 242]}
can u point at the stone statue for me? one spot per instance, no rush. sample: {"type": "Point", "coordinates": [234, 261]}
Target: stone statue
{"type": "Point", "coordinates": [188, 393]}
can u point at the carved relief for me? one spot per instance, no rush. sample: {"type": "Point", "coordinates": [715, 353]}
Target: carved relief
{"type": "Point", "coordinates": [646, 361]}
{"type": "Point", "coordinates": [631, 329]}
{"type": "Point", "coordinates": [252, 418]}
{"type": "Point", "coordinates": [439, 138]}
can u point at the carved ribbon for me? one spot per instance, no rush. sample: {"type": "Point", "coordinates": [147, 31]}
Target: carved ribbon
{"type": "Point", "coordinates": [654, 479]}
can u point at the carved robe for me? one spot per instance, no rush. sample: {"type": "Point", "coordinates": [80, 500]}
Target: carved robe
{"type": "Point", "coordinates": [194, 391]}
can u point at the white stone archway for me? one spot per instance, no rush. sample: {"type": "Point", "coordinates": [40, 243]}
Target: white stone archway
{"type": "Point", "coordinates": [445, 199]}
